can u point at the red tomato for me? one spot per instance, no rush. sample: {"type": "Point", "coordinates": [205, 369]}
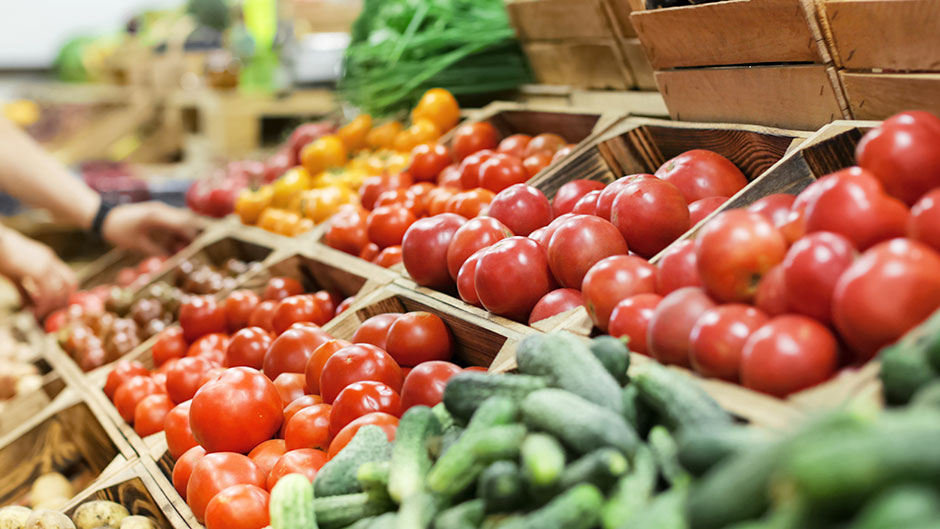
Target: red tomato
{"type": "Point", "coordinates": [579, 244]}
{"type": "Point", "coordinates": [347, 230]}
{"type": "Point", "coordinates": [369, 252]}
{"type": "Point", "coordinates": [238, 308]}
{"type": "Point", "coordinates": [388, 257]}
{"type": "Point", "coordinates": [420, 192]}
{"type": "Point", "coordinates": [539, 237]}
{"type": "Point", "coordinates": [477, 233]}
{"type": "Point", "coordinates": [247, 348]}
{"type": "Point", "coordinates": [122, 372]}
{"type": "Point", "coordinates": [522, 208]}
{"type": "Point", "coordinates": [775, 207]}
{"type": "Point", "coordinates": [211, 376]}
{"type": "Point", "coordinates": [902, 153]}
{"type": "Point", "coordinates": [470, 169]}
{"type": "Point", "coordinates": [170, 344]}
{"type": "Point", "coordinates": [924, 224]}
{"type": "Point", "coordinates": [449, 177]}
{"type": "Point", "coordinates": [787, 354]}
{"type": "Point", "coordinates": [346, 303]}
{"type": "Point", "coordinates": [466, 278]}
{"type": "Point", "coordinates": [424, 249]}
{"type": "Point", "coordinates": [266, 454]}
{"type": "Point", "coordinates": [212, 347]}
{"type": "Point", "coordinates": [428, 160]}
{"type": "Point", "coordinates": [55, 320]}
{"type": "Point", "coordinates": [236, 412]}
{"type": "Point", "coordinates": [387, 225]}
{"type": "Point", "coordinates": [535, 163]}
{"type": "Point", "coordinates": [290, 351]}
{"type": "Point", "coordinates": [515, 145]}
{"type": "Point", "coordinates": [562, 153]}
{"type": "Point", "coordinates": [512, 276]}
{"type": "Point", "coordinates": [361, 398]}
{"type": "Point", "coordinates": [556, 302]}
{"type": "Point", "coordinates": [734, 250]}
{"type": "Point", "coordinates": [297, 309]}
{"type": "Point", "coordinates": [398, 197]}
{"type": "Point", "coordinates": [811, 268]}
{"type": "Point", "coordinates": [375, 329]}
{"type": "Point", "coordinates": [699, 174]}
{"type": "Point", "coordinates": [216, 472]}
{"type": "Point", "coordinates": [771, 295]}
{"type": "Point", "coordinates": [546, 142]}
{"type": "Point", "coordinates": [677, 268]}
{"type": "Point", "coordinates": [299, 404]}
{"type": "Point", "coordinates": [605, 201]}
{"type": "Point", "coordinates": [587, 205]}
{"type": "Point", "coordinates": [570, 193]}
{"type": "Point", "coordinates": [279, 288]}
{"type": "Point", "coordinates": [374, 186]}
{"type": "Point", "coordinates": [179, 436]}
{"type": "Point", "coordinates": [890, 289]}
{"type": "Point", "coordinates": [150, 414]}
{"type": "Point", "coordinates": [309, 427]}
{"type": "Point", "coordinates": [306, 461]}
{"type": "Point", "coordinates": [388, 423]}
{"type": "Point", "coordinates": [474, 137]}
{"type": "Point", "coordinates": [471, 203]}
{"type": "Point", "coordinates": [418, 337]}
{"type": "Point", "coordinates": [290, 386]}
{"type": "Point", "coordinates": [501, 171]}
{"type": "Point", "coordinates": [669, 335]}
{"type": "Point", "coordinates": [263, 315]}
{"type": "Point", "coordinates": [238, 507]}
{"type": "Point", "coordinates": [650, 214]}
{"type": "Point", "coordinates": [719, 336]}
{"type": "Point", "coordinates": [356, 363]}
{"type": "Point", "coordinates": [612, 280]}
{"type": "Point", "coordinates": [704, 207]}
{"type": "Point", "coordinates": [424, 385]}
{"type": "Point", "coordinates": [631, 319]}
{"type": "Point", "coordinates": [130, 393]}
{"type": "Point", "coordinates": [200, 315]}
{"type": "Point", "coordinates": [183, 379]}
{"type": "Point", "coordinates": [183, 468]}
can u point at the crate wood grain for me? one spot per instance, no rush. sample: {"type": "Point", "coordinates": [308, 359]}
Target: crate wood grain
{"type": "Point", "coordinates": [639, 64]}
{"type": "Point", "coordinates": [21, 407]}
{"type": "Point", "coordinates": [595, 63]}
{"type": "Point", "coordinates": [881, 95]}
{"type": "Point", "coordinates": [559, 19]}
{"type": "Point", "coordinates": [619, 11]}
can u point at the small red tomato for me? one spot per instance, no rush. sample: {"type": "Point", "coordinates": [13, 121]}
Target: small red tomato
{"type": "Point", "coordinates": [375, 329]}
{"type": "Point", "coordinates": [650, 214]}
{"type": "Point", "coordinates": [130, 393]}
{"type": "Point", "coordinates": [238, 308]}
{"type": "Point", "coordinates": [612, 280]}
{"type": "Point", "coordinates": [346, 303]}
{"type": "Point", "coordinates": [450, 177]}
{"type": "Point", "coordinates": [263, 315]}
{"type": "Point", "coordinates": [477, 233]}
{"type": "Point", "coordinates": [290, 386]}
{"type": "Point", "coordinates": [212, 347]}
{"type": "Point", "coordinates": [515, 145]}
{"type": "Point", "coordinates": [775, 207]}
{"type": "Point", "coordinates": [787, 354]}
{"type": "Point", "coordinates": [677, 268]}
{"type": "Point", "coordinates": [810, 271]}
{"type": "Point", "coordinates": [290, 351]}
{"type": "Point", "coordinates": [719, 336]}
{"type": "Point", "coordinates": [587, 205]}
{"type": "Point", "coordinates": [309, 427]}
{"type": "Point", "coordinates": [170, 344]}
{"type": "Point", "coordinates": [556, 302]}
{"type": "Point", "coordinates": [346, 229]}
{"type": "Point", "coordinates": [631, 319]}
{"type": "Point", "coordinates": [183, 379]}
{"type": "Point", "coordinates": [247, 348]}
{"type": "Point", "coordinates": [670, 330]}
{"type": "Point", "coordinates": [356, 363]}
{"type": "Point", "coordinates": [704, 207]}
{"type": "Point", "coordinates": [545, 142]}
{"type": "Point", "coordinates": [924, 224]}
{"type": "Point", "coordinates": [279, 288]}
{"type": "Point", "coordinates": [183, 468]}
{"type": "Point", "coordinates": [238, 507]}
{"type": "Point", "coordinates": [388, 423]}
{"type": "Point", "coordinates": [388, 257]}
{"type": "Point", "coordinates": [424, 249]}
{"type": "Point", "coordinates": [521, 208]}
{"type": "Point", "coordinates": [179, 436]}
{"type": "Point", "coordinates": [216, 472]}
{"type": "Point", "coordinates": [771, 295]}
{"type": "Point", "coordinates": [123, 371]}
{"type": "Point", "coordinates": [387, 225]}
{"type": "Point", "coordinates": [297, 309]}
{"type": "Point", "coordinates": [501, 171]}
{"type": "Point", "coordinates": [469, 169]}
{"type": "Point", "coordinates": [200, 315]}
{"type": "Point", "coordinates": [369, 252]}
{"type": "Point", "coordinates": [534, 164]}
{"type": "Point", "coordinates": [578, 244]}
{"type": "Point", "coordinates": [305, 461]}
{"type": "Point", "coordinates": [424, 385]}
{"type": "Point", "coordinates": [474, 137]}
{"type": "Point", "coordinates": [266, 454]}
{"type": "Point", "coordinates": [466, 279]}
{"type": "Point", "coordinates": [428, 160]}
{"type": "Point", "coordinates": [571, 192]}
{"type": "Point", "coordinates": [699, 174]}
{"type": "Point", "coordinates": [418, 337]}
{"type": "Point", "coordinates": [361, 398]}
{"type": "Point", "coordinates": [150, 414]}
{"type": "Point", "coordinates": [512, 276]}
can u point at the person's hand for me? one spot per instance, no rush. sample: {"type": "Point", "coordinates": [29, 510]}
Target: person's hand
{"type": "Point", "coordinates": [44, 281]}
{"type": "Point", "coordinates": [153, 228]}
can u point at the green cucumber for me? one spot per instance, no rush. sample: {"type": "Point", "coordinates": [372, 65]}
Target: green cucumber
{"type": "Point", "coordinates": [601, 468]}
{"type": "Point", "coordinates": [291, 503]}
{"type": "Point", "coordinates": [678, 401]}
{"type": "Point", "coordinates": [459, 467]}
{"type": "Point", "coordinates": [338, 475]}
{"type": "Point", "coordinates": [448, 438]}
{"type": "Point", "coordinates": [417, 511]}
{"type": "Point", "coordinates": [373, 476]}
{"type": "Point", "coordinates": [666, 454]}
{"type": "Point", "coordinates": [905, 369]}
{"type": "Point", "coordinates": [497, 442]}
{"type": "Point", "coordinates": [364, 523]}
{"type": "Point", "coordinates": [928, 396]}
{"type": "Point", "coordinates": [384, 521]}
{"type": "Point", "coordinates": [632, 492]}
{"type": "Point", "coordinates": [543, 460]}
{"type": "Point", "coordinates": [501, 487]}
{"type": "Point", "coordinates": [466, 391]}
{"type": "Point", "coordinates": [700, 449]}
{"type": "Point", "coordinates": [410, 461]}
{"type": "Point", "coordinates": [635, 411]}
{"type": "Point", "coordinates": [467, 515]}
{"type": "Point", "coordinates": [901, 506]}
{"type": "Point", "coordinates": [666, 511]}
{"type": "Point", "coordinates": [494, 411]}
{"type": "Point", "coordinates": [582, 425]}
{"type": "Point", "coordinates": [339, 511]}
{"type": "Point", "coordinates": [613, 355]}
{"type": "Point", "coordinates": [576, 508]}
{"type": "Point", "coordinates": [565, 360]}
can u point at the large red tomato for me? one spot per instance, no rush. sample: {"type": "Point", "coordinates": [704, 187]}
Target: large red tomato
{"type": "Point", "coordinates": [317, 360]}
{"type": "Point", "coordinates": [612, 280]}
{"type": "Point", "coordinates": [605, 201]}
{"type": "Point", "coordinates": [556, 302]}
{"type": "Point", "coordinates": [185, 376]}
{"type": "Point", "coordinates": [424, 249]}
{"type": "Point", "coordinates": [704, 207]}
{"type": "Point", "coordinates": [263, 315]}
{"type": "Point", "coordinates": [571, 192]}
{"type": "Point", "coordinates": [123, 371]}
{"type": "Point", "coordinates": [888, 290]}
{"type": "Point", "coordinates": [201, 315]}
{"type": "Point", "coordinates": [183, 469]}
{"type": "Point", "coordinates": [248, 347]}
{"type": "Point", "coordinates": [579, 244]}
{"type": "Point", "coordinates": [669, 335]}
{"type": "Point", "coordinates": [469, 168]}
{"type": "Point", "coordinates": [131, 392]}
{"type": "Point", "coordinates": [734, 250]}
{"type": "Point", "coordinates": [215, 473]}
{"type": "Point", "coordinates": [424, 385]}
{"type": "Point", "coordinates": [514, 145]}
{"type": "Point", "coordinates": [477, 233]}
{"type": "Point", "coordinates": [361, 398]}
{"type": "Point", "coordinates": [512, 276]}
{"type": "Point", "coordinates": [787, 354]}
{"type": "Point", "coordinates": [150, 414]}
{"type": "Point", "coordinates": [718, 338]}
{"type": "Point", "coordinates": [238, 308]}
{"type": "Point", "coordinates": [810, 271]}
{"type": "Point", "coordinates": [305, 461]}
{"type": "Point", "coordinates": [355, 363]}
{"type": "Point", "coordinates": [474, 137]}
{"type": "Point", "coordinates": [279, 288]}
{"type": "Point", "coordinates": [236, 412]}
{"type": "Point", "coordinates": [699, 174]}
{"type": "Point", "coordinates": [290, 351]}
{"type": "Point", "coordinates": [179, 436]}
{"type": "Point", "coordinates": [347, 230]}
{"type": "Point", "coordinates": [521, 208]}
{"type": "Point", "coordinates": [267, 453]}
{"type": "Point", "coordinates": [375, 329]}
{"type": "Point", "coordinates": [428, 160]}
{"type": "Point", "coordinates": [387, 225]}
{"type": "Point", "coordinates": [677, 268]}
{"type": "Point", "coordinates": [902, 152]}
{"type": "Point", "coordinates": [238, 507]}
{"type": "Point", "coordinates": [466, 279]}
{"type": "Point", "coordinates": [418, 337]}
{"type": "Point", "coordinates": [924, 224]}
{"type": "Point", "coordinates": [170, 344]}
{"type": "Point", "coordinates": [631, 319]}
{"type": "Point", "coordinates": [296, 309]}
{"type": "Point", "coordinates": [650, 214]}
{"type": "Point", "coordinates": [775, 207]}
{"type": "Point", "coordinates": [501, 171]}
{"type": "Point", "coordinates": [309, 428]}
{"type": "Point", "coordinates": [388, 424]}
{"type": "Point", "coordinates": [771, 296]}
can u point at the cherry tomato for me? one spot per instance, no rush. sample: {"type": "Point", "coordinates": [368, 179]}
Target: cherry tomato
{"type": "Point", "coordinates": [290, 386]}
{"type": "Point", "coordinates": [263, 315]}
{"type": "Point", "coordinates": [309, 427]}
{"type": "Point", "coordinates": [924, 224]}
{"type": "Point", "coordinates": [361, 398]}
{"type": "Point", "coordinates": [299, 309]}
{"type": "Point", "coordinates": [375, 329]}
{"type": "Point", "coordinates": [471, 203]}
{"type": "Point", "coordinates": [420, 192]}
{"type": "Point", "coordinates": [424, 249]}
{"type": "Point", "coordinates": [356, 363]}
{"type": "Point", "coordinates": [290, 351]}
{"type": "Point", "coordinates": [212, 347]}
{"type": "Point", "coordinates": [771, 297]}
{"type": "Point", "coordinates": [562, 153]}
{"type": "Point", "coordinates": [650, 214]}
{"type": "Point", "coordinates": [347, 230]}
{"type": "Point", "coordinates": [438, 106]}
{"type": "Point", "coordinates": [200, 315]}
{"type": "Point", "coordinates": [150, 414]}
{"type": "Point", "coordinates": [500, 171]}
{"type": "Point", "coordinates": [299, 404]}
{"type": "Point", "coordinates": [704, 207]}
{"type": "Point", "coordinates": [397, 197]}
{"type": "Point", "coordinates": [699, 174]}
{"type": "Point", "coordinates": [345, 304]}
{"type": "Point", "coordinates": [469, 168]}
{"type": "Point", "coordinates": [605, 201]}
{"type": "Point", "coordinates": [512, 276]}
{"type": "Point", "coordinates": [266, 454]}
{"type": "Point", "coordinates": [514, 145]}
{"type": "Point", "coordinates": [578, 244]}
{"type": "Point", "coordinates": [369, 252]}
{"type": "Point", "coordinates": [238, 507]}
{"type": "Point", "coordinates": [677, 268]}
{"type": "Point", "coordinates": [669, 335]}
{"type": "Point", "coordinates": [556, 302]}
{"type": "Point", "coordinates": [775, 207]}
{"type": "Point", "coordinates": [306, 461]}
{"type": "Point", "coordinates": [130, 393]}
{"type": "Point", "coordinates": [631, 319]}
{"type": "Point", "coordinates": [719, 336]}
{"type": "Point", "coordinates": [424, 385]}
{"type": "Point", "coordinates": [612, 280]}
{"type": "Point", "coordinates": [418, 337]}
{"type": "Point", "coordinates": [734, 250]}
{"type": "Point", "coordinates": [183, 379]}
{"type": "Point", "coordinates": [902, 153]}
{"type": "Point", "coordinates": [571, 192]}
{"type": "Point", "coordinates": [439, 198]}
{"type": "Point", "coordinates": [247, 348]}
{"type": "Point", "coordinates": [428, 160]}
{"type": "Point", "coordinates": [535, 163]}
{"type": "Point", "coordinates": [183, 469]}
{"type": "Point", "coordinates": [238, 308]}
{"type": "Point", "coordinates": [474, 137]}
{"type": "Point", "coordinates": [449, 177]}
{"type": "Point", "coordinates": [236, 412]}
{"type": "Point", "coordinates": [279, 288]}
{"type": "Point", "coordinates": [170, 344]}
{"type": "Point", "coordinates": [587, 205]}
{"type": "Point", "coordinates": [787, 354]}
{"type": "Point", "coordinates": [477, 233]}
{"type": "Point", "coordinates": [387, 225]}
{"type": "Point", "coordinates": [466, 278]}
{"type": "Point", "coordinates": [522, 209]}
{"type": "Point", "coordinates": [122, 372]}
{"type": "Point", "coordinates": [546, 142]}
{"type": "Point", "coordinates": [388, 423]}
{"type": "Point", "coordinates": [388, 257]}
{"type": "Point", "coordinates": [216, 472]}
{"type": "Point", "coordinates": [179, 436]}
{"type": "Point", "coordinates": [374, 186]}
{"type": "Point", "coordinates": [811, 268]}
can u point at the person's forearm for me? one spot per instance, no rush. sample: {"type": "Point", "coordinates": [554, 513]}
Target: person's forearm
{"type": "Point", "coordinates": [33, 176]}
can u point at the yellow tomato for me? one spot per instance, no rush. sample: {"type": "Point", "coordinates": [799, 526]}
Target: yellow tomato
{"type": "Point", "coordinates": [439, 106]}
{"type": "Point", "coordinates": [320, 204]}
{"type": "Point", "coordinates": [354, 133]}
{"type": "Point", "coordinates": [327, 178]}
{"type": "Point", "coordinates": [383, 136]}
{"type": "Point", "coordinates": [251, 203]}
{"type": "Point", "coordinates": [422, 131]}
{"type": "Point", "coordinates": [289, 224]}
{"type": "Point", "coordinates": [323, 153]}
{"type": "Point", "coordinates": [272, 219]}
{"type": "Point", "coordinates": [352, 178]}
{"type": "Point", "coordinates": [289, 185]}
{"type": "Point", "coordinates": [303, 226]}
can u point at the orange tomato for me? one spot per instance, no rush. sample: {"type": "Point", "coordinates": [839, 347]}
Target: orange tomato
{"type": "Point", "coordinates": [469, 204]}
{"type": "Point", "coordinates": [354, 133]}
{"type": "Point", "coordinates": [437, 199]}
{"type": "Point", "coordinates": [273, 220]}
{"type": "Point", "coordinates": [421, 131]}
{"type": "Point", "coordinates": [251, 203]}
{"type": "Point", "coordinates": [320, 203]}
{"type": "Point", "coordinates": [383, 136]}
{"type": "Point", "coordinates": [323, 153]}
{"type": "Point", "coordinates": [303, 226]}
{"type": "Point", "coordinates": [290, 224]}
{"type": "Point", "coordinates": [439, 106]}
{"type": "Point", "coordinates": [289, 185]}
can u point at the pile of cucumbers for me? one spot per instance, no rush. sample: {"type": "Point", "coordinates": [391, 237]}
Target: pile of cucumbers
{"type": "Point", "coordinates": [910, 368]}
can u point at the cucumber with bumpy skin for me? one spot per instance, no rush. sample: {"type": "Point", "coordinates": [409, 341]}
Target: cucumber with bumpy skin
{"type": "Point", "coordinates": [666, 454]}
{"type": "Point", "coordinates": [338, 475]}
{"type": "Point", "coordinates": [410, 461]}
{"type": "Point", "coordinates": [632, 491]}
{"type": "Point", "coordinates": [576, 508]}
{"type": "Point", "coordinates": [497, 442]}
{"type": "Point", "coordinates": [700, 449]}
{"type": "Point", "coordinates": [905, 369]}
{"type": "Point", "coordinates": [462, 463]}
{"type": "Point", "coordinates": [501, 487]}
{"type": "Point", "coordinates": [582, 425]}
{"type": "Point", "coordinates": [465, 392]}
{"type": "Point", "coordinates": [373, 476]}
{"type": "Point", "coordinates": [467, 515]}
{"type": "Point", "coordinates": [678, 401]}
{"type": "Point", "coordinates": [614, 356]}
{"type": "Point", "coordinates": [291, 503]}
{"type": "Point", "coordinates": [666, 511]}
{"type": "Point", "coordinates": [417, 511]}
{"type": "Point", "coordinates": [601, 468]}
{"type": "Point", "coordinates": [338, 511]}
{"type": "Point", "coordinates": [543, 460]}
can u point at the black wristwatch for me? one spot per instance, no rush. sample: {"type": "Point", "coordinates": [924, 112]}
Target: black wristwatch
{"type": "Point", "coordinates": [97, 223]}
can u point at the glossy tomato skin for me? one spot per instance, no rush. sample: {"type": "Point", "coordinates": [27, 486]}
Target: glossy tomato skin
{"type": "Point", "coordinates": [699, 174]}
{"type": "Point", "coordinates": [305, 461]}
{"type": "Point", "coordinates": [369, 252]}
{"type": "Point", "coordinates": [579, 244]}
{"type": "Point", "coordinates": [734, 250]}
{"type": "Point", "coordinates": [719, 336]}
{"type": "Point", "coordinates": [247, 348]}
{"type": "Point", "coordinates": [263, 315]}
{"type": "Point", "coordinates": [775, 207]}
{"type": "Point", "coordinates": [605, 201]}
{"type": "Point", "coordinates": [771, 296]}
{"type": "Point", "coordinates": [123, 370]}
{"type": "Point", "coordinates": [216, 472]}
{"type": "Point", "coordinates": [424, 249]}
{"type": "Point", "coordinates": [238, 308]}
{"type": "Point", "coordinates": [150, 414]}
{"type": "Point", "coordinates": [650, 214]}
{"type": "Point", "coordinates": [587, 205]}
{"type": "Point", "coordinates": [290, 351]}
{"type": "Point", "coordinates": [545, 142]}
{"type": "Point", "coordinates": [201, 315]}
{"type": "Point", "coordinates": [501, 171]}
{"type": "Point", "coordinates": [469, 168]}
{"type": "Point", "coordinates": [387, 225]}
{"type": "Point", "coordinates": [521, 208]}
{"type": "Point", "coordinates": [669, 336]}
{"type": "Point", "coordinates": [424, 385]}
{"type": "Point", "coordinates": [170, 344]}
{"type": "Point", "coordinates": [902, 153]}
{"type": "Point", "coordinates": [212, 347]}
{"type": "Point", "coordinates": [571, 192]}
{"type": "Point", "coordinates": [362, 398]}
{"type": "Point", "coordinates": [183, 379]}
{"type": "Point", "coordinates": [309, 428]}
{"type": "Point", "coordinates": [130, 393]}
{"type": "Point", "coordinates": [612, 280]}
{"type": "Point", "coordinates": [296, 309]}
{"type": "Point", "coordinates": [704, 207]}
{"type": "Point", "coordinates": [787, 354]}
{"type": "Point", "coordinates": [418, 337]}
{"type": "Point", "coordinates": [347, 230]}
{"type": "Point", "coordinates": [515, 145]}
{"type": "Point", "coordinates": [811, 268]}
{"type": "Point", "coordinates": [428, 160]}
{"type": "Point", "coordinates": [236, 412]}
{"type": "Point", "coordinates": [179, 436]}
{"type": "Point", "coordinates": [677, 268]}
{"type": "Point", "coordinates": [279, 288]}
{"type": "Point", "coordinates": [534, 164]}
{"type": "Point", "coordinates": [511, 277]}
{"type": "Point", "coordinates": [924, 224]}
{"type": "Point", "coordinates": [356, 363]}
{"type": "Point", "coordinates": [555, 302]}
{"type": "Point", "coordinates": [266, 454]}
{"type": "Point", "coordinates": [238, 507]}
{"type": "Point", "coordinates": [631, 319]}
{"type": "Point", "coordinates": [466, 279]}
{"type": "Point", "coordinates": [477, 233]}
{"type": "Point", "coordinates": [183, 468]}
{"type": "Point", "coordinates": [388, 257]}
{"type": "Point", "coordinates": [474, 137]}
{"type": "Point", "coordinates": [388, 423]}
{"type": "Point", "coordinates": [290, 386]}
{"type": "Point", "coordinates": [891, 288]}
{"type": "Point", "coordinates": [375, 329]}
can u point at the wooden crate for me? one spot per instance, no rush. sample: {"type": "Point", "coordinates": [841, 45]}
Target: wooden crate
{"type": "Point", "coordinates": [23, 406]}
{"type": "Point", "coordinates": [321, 16]}
{"type": "Point", "coordinates": [536, 20]}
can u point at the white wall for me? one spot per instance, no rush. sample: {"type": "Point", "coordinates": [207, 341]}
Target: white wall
{"type": "Point", "coordinates": [31, 31]}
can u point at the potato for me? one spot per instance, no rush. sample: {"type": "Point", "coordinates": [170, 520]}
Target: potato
{"type": "Point", "coordinates": [99, 513]}
{"type": "Point", "coordinates": [48, 487]}
{"type": "Point", "coordinates": [46, 519]}
{"type": "Point", "coordinates": [137, 522]}
{"type": "Point", "coordinates": [14, 517]}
